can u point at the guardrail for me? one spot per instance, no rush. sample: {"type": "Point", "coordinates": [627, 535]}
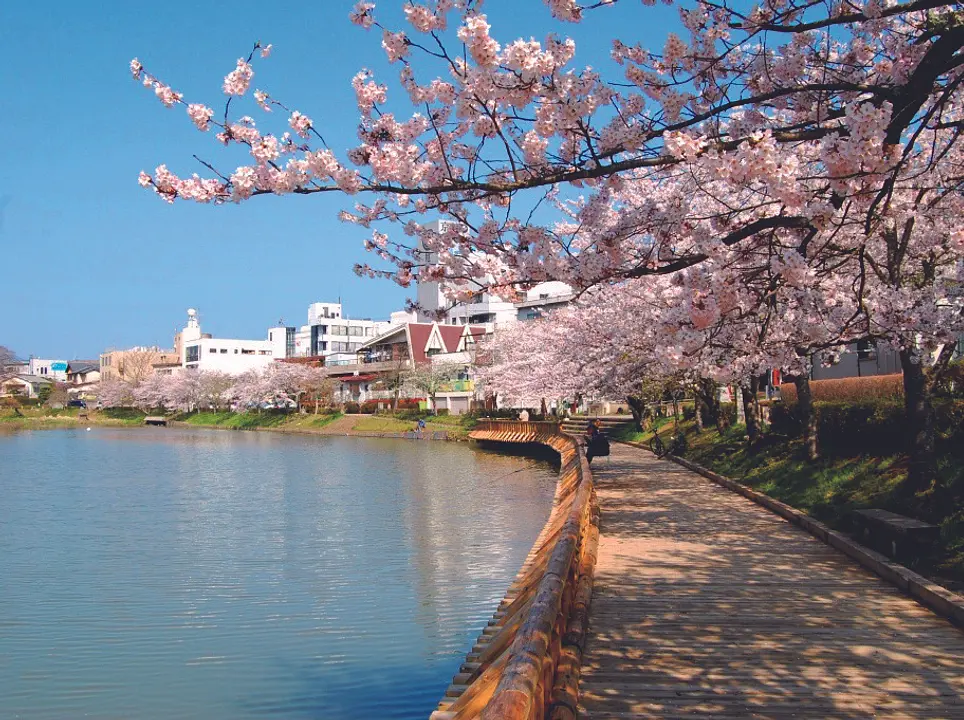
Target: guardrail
{"type": "Point", "coordinates": [525, 665]}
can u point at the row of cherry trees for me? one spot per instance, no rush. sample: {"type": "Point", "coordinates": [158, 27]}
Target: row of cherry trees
{"type": "Point", "coordinates": [278, 385]}
{"type": "Point", "coordinates": [779, 178]}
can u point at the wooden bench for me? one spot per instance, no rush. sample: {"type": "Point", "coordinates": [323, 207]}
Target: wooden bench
{"type": "Point", "coordinates": [155, 420]}
{"type": "Point", "coordinates": [896, 535]}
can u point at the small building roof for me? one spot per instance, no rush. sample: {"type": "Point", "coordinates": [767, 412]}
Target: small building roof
{"type": "Point", "coordinates": [82, 366]}
{"type": "Point", "coordinates": [32, 379]}
{"type": "Point", "coordinates": [358, 378]}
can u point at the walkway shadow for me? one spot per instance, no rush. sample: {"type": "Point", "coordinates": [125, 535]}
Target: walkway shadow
{"type": "Point", "coordinates": [707, 605]}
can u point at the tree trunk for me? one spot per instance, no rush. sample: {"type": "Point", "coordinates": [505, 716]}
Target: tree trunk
{"type": "Point", "coordinates": [708, 399]}
{"type": "Point", "coordinates": [922, 471]}
{"type": "Point", "coordinates": [698, 412]}
{"type": "Point", "coordinates": [636, 406]}
{"type": "Point", "coordinates": [751, 409]}
{"type": "Point", "coordinates": [807, 416]}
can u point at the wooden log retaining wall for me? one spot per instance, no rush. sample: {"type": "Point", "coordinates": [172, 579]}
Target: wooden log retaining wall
{"type": "Point", "coordinates": [525, 664]}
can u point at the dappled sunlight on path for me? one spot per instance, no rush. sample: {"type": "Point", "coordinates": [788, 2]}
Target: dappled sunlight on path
{"type": "Point", "coordinates": [707, 605]}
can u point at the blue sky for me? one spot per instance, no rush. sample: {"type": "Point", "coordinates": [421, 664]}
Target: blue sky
{"type": "Point", "coordinates": [94, 261]}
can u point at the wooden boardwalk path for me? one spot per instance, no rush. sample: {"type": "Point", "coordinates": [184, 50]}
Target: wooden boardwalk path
{"type": "Point", "coordinates": [708, 605]}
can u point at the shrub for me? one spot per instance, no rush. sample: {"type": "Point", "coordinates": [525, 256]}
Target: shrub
{"type": "Point", "coordinates": [850, 428]}
{"type": "Point", "coordinates": [411, 414]}
{"type": "Point", "coordinates": [728, 413]}
{"type": "Point", "coordinates": [875, 387]}
{"type": "Point", "coordinates": [373, 406]}
{"type": "Point", "coordinates": [352, 408]}
{"type": "Point", "coordinates": [120, 413]}
{"type": "Point", "coordinates": [500, 414]}
{"type": "Point", "coordinates": [949, 425]}
{"type": "Point", "coordinates": [784, 419]}
{"type": "Point", "coordinates": [409, 403]}
{"type": "Point", "coordinates": [846, 428]}
{"type": "Point", "coordinates": [442, 411]}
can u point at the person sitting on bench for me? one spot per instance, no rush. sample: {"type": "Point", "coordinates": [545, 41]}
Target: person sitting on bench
{"type": "Point", "coordinates": [597, 445]}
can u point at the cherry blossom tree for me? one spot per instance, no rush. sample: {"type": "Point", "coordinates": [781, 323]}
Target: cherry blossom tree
{"type": "Point", "coordinates": [115, 393]}
{"type": "Point", "coordinates": [216, 388]}
{"type": "Point", "coordinates": [432, 378]}
{"type": "Point", "coordinates": [317, 387]}
{"type": "Point", "coordinates": [153, 392]}
{"type": "Point", "coordinates": [770, 141]}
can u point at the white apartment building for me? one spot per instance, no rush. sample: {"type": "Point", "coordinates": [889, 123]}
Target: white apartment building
{"type": "Point", "coordinates": [329, 332]}
{"type": "Point", "coordinates": [51, 369]}
{"type": "Point", "coordinates": [484, 308]}
{"type": "Point", "coordinates": [201, 351]}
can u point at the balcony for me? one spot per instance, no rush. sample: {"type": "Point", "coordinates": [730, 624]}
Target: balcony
{"type": "Point", "coordinates": [369, 367]}
{"type": "Point", "coordinates": [458, 386]}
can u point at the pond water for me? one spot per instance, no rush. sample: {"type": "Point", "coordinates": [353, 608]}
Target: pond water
{"type": "Point", "coordinates": [165, 573]}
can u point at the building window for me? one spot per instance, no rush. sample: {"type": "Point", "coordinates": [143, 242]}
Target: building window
{"type": "Point", "coordinates": [212, 350]}
{"type": "Point", "coordinates": [224, 351]}
{"type": "Point", "coordinates": [235, 351]}
{"type": "Point", "coordinates": [247, 352]}
{"type": "Point", "coordinates": [356, 331]}
{"type": "Point", "coordinates": [264, 352]}
{"type": "Point", "coordinates": [192, 353]}
{"type": "Point", "coordinates": [339, 329]}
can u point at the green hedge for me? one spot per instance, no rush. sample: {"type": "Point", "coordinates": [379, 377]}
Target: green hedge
{"type": "Point", "coordinates": [854, 428]}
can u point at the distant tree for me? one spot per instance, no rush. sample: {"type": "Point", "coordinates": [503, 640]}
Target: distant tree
{"type": "Point", "coordinates": [216, 388]}
{"type": "Point", "coordinates": [318, 388]}
{"type": "Point", "coordinates": [431, 378]}
{"type": "Point", "coordinates": [44, 392]}
{"type": "Point", "coordinates": [153, 393]}
{"type": "Point", "coordinates": [115, 393]}
{"type": "Point", "coordinates": [394, 378]}
{"type": "Point", "coordinates": [57, 395]}
{"type": "Point", "coordinates": [136, 366]}
{"type": "Point", "coordinates": [186, 390]}
{"type": "Point", "coordinates": [7, 358]}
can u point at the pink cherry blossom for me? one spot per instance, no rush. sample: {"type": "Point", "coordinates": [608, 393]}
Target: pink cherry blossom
{"type": "Point", "coordinates": [362, 14]}
{"type": "Point", "coordinates": [301, 124]}
{"type": "Point", "coordinates": [238, 80]}
{"type": "Point", "coordinates": [200, 115]}
{"type": "Point", "coordinates": [262, 99]}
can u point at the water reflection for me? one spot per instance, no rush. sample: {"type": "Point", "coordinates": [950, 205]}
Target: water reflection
{"type": "Point", "coordinates": [167, 573]}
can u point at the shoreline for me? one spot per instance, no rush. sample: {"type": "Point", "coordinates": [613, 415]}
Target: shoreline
{"type": "Point", "coordinates": [322, 432]}
{"type": "Point", "coordinates": [69, 421]}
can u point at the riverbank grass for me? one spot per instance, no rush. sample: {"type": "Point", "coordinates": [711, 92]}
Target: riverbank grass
{"type": "Point", "coordinates": [254, 420]}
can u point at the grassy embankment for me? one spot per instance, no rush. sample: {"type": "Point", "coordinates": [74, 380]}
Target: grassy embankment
{"type": "Point", "coordinates": [336, 422]}
{"type": "Point", "coordinates": [253, 420]}
{"type": "Point", "coordinates": [831, 488]}
{"type": "Point", "coordinates": [45, 418]}
{"type": "Point", "coordinates": [40, 418]}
